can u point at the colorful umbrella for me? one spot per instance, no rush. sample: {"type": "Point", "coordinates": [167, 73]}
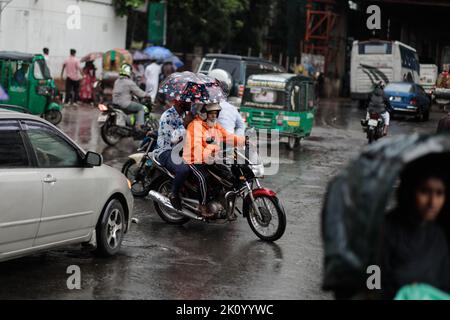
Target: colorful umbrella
{"type": "Point", "coordinates": [3, 94]}
{"type": "Point", "coordinates": [190, 87]}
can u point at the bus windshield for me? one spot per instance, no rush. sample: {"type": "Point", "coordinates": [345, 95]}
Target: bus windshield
{"type": "Point", "coordinates": [375, 48]}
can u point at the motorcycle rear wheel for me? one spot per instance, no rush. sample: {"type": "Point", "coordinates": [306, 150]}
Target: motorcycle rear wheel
{"type": "Point", "coordinates": [109, 135]}
{"type": "Point", "coordinates": [271, 211]}
{"type": "Point", "coordinates": [164, 187]}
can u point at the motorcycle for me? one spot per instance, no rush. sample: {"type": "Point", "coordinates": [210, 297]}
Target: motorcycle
{"type": "Point", "coordinates": [374, 126]}
{"type": "Point", "coordinates": [238, 180]}
{"type": "Point", "coordinates": [137, 167]}
{"type": "Point", "coordinates": [116, 124]}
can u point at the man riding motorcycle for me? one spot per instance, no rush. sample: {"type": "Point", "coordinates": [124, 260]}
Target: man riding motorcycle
{"type": "Point", "coordinates": [172, 127]}
{"type": "Point", "coordinates": [124, 89]}
{"type": "Point", "coordinates": [378, 104]}
{"type": "Point", "coordinates": [203, 139]}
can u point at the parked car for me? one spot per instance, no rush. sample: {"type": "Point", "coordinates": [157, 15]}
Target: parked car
{"type": "Point", "coordinates": [408, 98]}
{"type": "Point", "coordinates": [54, 194]}
{"type": "Point", "coordinates": [239, 68]}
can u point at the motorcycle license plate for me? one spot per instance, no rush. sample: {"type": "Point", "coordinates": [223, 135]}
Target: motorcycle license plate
{"type": "Point", "coordinates": [373, 123]}
{"type": "Point", "coordinates": [102, 118]}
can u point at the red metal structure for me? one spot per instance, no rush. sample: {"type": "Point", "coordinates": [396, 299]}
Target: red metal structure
{"type": "Point", "coordinates": [320, 23]}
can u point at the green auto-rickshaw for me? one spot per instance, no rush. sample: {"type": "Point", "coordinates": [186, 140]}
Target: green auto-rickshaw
{"type": "Point", "coordinates": [284, 102]}
{"type": "Point", "coordinates": [29, 85]}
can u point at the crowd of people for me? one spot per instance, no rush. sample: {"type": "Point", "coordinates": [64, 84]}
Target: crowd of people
{"type": "Point", "coordinates": [79, 80]}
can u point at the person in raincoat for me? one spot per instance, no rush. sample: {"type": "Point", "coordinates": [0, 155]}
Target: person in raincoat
{"type": "Point", "coordinates": [203, 139]}
{"type": "Point", "coordinates": [414, 245]}
{"type": "Point", "coordinates": [378, 104]}
{"type": "Point", "coordinates": [123, 90]}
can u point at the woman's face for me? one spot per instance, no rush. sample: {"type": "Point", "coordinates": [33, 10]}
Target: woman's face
{"type": "Point", "coordinates": [430, 198]}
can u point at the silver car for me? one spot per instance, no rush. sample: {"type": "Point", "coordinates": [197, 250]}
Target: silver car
{"type": "Point", "coordinates": [52, 193]}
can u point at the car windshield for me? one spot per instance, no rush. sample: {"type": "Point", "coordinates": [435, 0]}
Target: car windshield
{"type": "Point", "coordinates": [400, 87]}
{"type": "Point", "coordinates": [232, 66]}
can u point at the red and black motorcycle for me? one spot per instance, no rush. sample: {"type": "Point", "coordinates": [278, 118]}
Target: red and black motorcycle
{"type": "Point", "coordinates": [231, 178]}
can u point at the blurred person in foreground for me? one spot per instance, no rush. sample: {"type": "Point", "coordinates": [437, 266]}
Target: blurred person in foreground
{"type": "Point", "coordinates": [414, 244]}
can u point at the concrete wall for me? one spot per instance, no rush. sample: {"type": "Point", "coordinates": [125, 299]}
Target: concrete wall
{"type": "Point", "coordinates": [30, 25]}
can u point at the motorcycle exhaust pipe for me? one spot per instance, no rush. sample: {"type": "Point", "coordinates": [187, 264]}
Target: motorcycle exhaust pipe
{"type": "Point", "coordinates": [164, 201]}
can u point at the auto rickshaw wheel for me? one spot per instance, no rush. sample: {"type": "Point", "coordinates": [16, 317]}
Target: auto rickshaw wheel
{"type": "Point", "coordinates": [53, 116]}
{"type": "Point", "coordinates": [293, 143]}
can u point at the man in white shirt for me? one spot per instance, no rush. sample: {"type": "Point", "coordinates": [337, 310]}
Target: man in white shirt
{"type": "Point", "coordinates": [152, 79]}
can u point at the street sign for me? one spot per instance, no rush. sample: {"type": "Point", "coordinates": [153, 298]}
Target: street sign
{"type": "Point", "coordinates": [157, 23]}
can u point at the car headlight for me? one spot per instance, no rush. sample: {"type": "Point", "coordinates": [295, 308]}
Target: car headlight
{"type": "Point", "coordinates": [258, 170]}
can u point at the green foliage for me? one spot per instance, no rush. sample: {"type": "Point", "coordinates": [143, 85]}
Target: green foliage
{"type": "Point", "coordinates": [123, 7]}
{"type": "Point", "coordinates": [208, 23]}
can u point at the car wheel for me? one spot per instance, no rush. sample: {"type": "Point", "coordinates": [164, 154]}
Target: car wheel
{"type": "Point", "coordinates": [110, 229]}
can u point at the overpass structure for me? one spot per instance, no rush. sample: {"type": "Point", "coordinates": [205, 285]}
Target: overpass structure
{"type": "Point", "coordinates": [332, 25]}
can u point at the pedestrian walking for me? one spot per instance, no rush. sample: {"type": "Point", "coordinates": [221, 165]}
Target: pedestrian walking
{"type": "Point", "coordinates": [74, 74]}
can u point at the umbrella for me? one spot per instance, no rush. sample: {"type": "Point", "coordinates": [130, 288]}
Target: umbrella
{"type": "Point", "coordinates": [158, 53]}
{"type": "Point", "coordinates": [356, 200]}
{"type": "Point", "coordinates": [92, 56]}
{"type": "Point", "coordinates": [175, 61]}
{"type": "Point", "coordinates": [140, 55]}
{"type": "Point", "coordinates": [190, 87]}
{"type": "Point", "coordinates": [3, 94]}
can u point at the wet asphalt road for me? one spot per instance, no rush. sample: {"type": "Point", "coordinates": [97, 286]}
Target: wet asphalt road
{"type": "Point", "coordinates": [199, 261]}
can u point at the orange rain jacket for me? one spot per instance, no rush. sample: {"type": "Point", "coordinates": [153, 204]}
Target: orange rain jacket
{"type": "Point", "coordinates": [196, 150]}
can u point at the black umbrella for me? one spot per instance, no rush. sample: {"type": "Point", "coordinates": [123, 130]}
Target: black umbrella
{"type": "Point", "coordinates": [356, 201]}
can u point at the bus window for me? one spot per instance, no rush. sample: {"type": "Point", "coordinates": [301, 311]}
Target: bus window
{"type": "Point", "coordinates": [375, 48]}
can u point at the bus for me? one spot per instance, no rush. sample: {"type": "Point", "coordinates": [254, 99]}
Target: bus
{"type": "Point", "coordinates": [375, 61]}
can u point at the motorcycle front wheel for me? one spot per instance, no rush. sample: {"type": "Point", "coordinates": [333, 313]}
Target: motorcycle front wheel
{"type": "Point", "coordinates": [136, 173]}
{"type": "Point", "coordinates": [271, 223]}
{"type": "Point", "coordinates": [109, 134]}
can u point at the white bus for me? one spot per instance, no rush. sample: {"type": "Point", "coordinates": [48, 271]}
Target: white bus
{"type": "Point", "coordinates": [376, 60]}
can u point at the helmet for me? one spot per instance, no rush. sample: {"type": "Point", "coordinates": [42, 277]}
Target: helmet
{"type": "Point", "coordinates": [125, 70]}
{"type": "Point", "coordinates": [211, 107]}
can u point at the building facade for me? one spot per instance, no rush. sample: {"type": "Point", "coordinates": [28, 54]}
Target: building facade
{"type": "Point", "coordinates": [87, 26]}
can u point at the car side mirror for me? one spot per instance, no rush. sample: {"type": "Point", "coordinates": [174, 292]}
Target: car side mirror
{"type": "Point", "coordinates": [93, 159]}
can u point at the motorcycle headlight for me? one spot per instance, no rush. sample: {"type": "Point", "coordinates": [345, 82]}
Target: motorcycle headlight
{"type": "Point", "coordinates": [258, 170]}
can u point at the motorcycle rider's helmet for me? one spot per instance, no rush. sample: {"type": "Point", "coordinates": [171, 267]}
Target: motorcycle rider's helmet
{"type": "Point", "coordinates": [209, 108]}
{"type": "Point", "coordinates": [125, 70]}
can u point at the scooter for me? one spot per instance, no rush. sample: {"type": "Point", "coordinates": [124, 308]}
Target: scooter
{"type": "Point", "coordinates": [374, 126]}
{"type": "Point", "coordinates": [116, 124]}
{"type": "Point", "coordinates": [138, 166]}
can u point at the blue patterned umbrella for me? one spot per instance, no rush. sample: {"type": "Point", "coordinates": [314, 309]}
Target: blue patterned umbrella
{"type": "Point", "coordinates": [158, 53]}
